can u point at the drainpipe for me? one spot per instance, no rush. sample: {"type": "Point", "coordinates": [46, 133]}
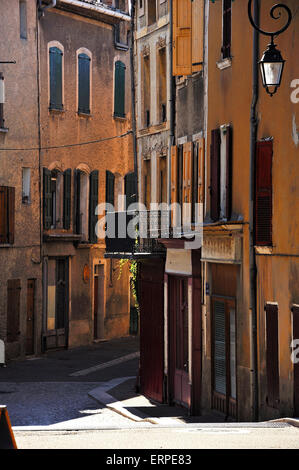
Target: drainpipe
{"type": "Point", "coordinates": [42, 9]}
{"type": "Point", "coordinates": [171, 99]}
{"type": "Point", "coordinates": [252, 258]}
{"type": "Point", "coordinates": [133, 94]}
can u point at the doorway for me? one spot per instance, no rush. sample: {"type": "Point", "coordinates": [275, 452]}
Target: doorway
{"type": "Point", "coordinates": [30, 317]}
{"type": "Point", "coordinates": [180, 390]}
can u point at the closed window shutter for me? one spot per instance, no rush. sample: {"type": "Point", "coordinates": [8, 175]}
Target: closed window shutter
{"type": "Point", "coordinates": [119, 89]}
{"type": "Point", "coordinates": [226, 39]}
{"type": "Point", "coordinates": [130, 189]}
{"type": "Point", "coordinates": [77, 190]}
{"type": "Point", "coordinates": [93, 202]}
{"type": "Point", "coordinates": [187, 172]}
{"type": "Point", "coordinates": [3, 215]}
{"type": "Point", "coordinates": [219, 348]}
{"type": "Point", "coordinates": [174, 174]}
{"type": "Point", "coordinates": [263, 196]}
{"type": "Point", "coordinates": [67, 178]}
{"type": "Point", "coordinates": [47, 199]}
{"type": "Point", "coordinates": [229, 153]}
{"type": "Point", "coordinates": [182, 37]}
{"type": "Point", "coordinates": [110, 187]}
{"type": "Point", "coordinates": [215, 174]}
{"type": "Point", "coordinates": [55, 78]}
{"type": "Point", "coordinates": [84, 84]}
{"type": "Point", "coordinates": [272, 355]}
{"type": "Point", "coordinates": [13, 309]}
{"type": "Point", "coordinates": [201, 175]}
{"type": "Point", "coordinates": [11, 214]}
{"type": "Point", "coordinates": [197, 34]}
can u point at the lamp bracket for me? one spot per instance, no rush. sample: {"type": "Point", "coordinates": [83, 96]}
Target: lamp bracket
{"type": "Point", "coordinates": [273, 15]}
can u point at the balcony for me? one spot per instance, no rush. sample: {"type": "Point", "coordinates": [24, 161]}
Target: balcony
{"type": "Point", "coordinates": [141, 234]}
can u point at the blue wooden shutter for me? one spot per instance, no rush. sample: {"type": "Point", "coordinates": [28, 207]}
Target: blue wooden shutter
{"type": "Point", "coordinates": [67, 175]}
{"type": "Point", "coordinates": [119, 89]}
{"type": "Point", "coordinates": [47, 201]}
{"type": "Point", "coordinates": [55, 78]}
{"type": "Point", "coordinates": [93, 202]}
{"type": "Point", "coordinates": [84, 84]}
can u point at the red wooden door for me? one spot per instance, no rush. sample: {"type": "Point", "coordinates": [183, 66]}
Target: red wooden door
{"type": "Point", "coordinates": [30, 316]}
{"type": "Point", "coordinates": [151, 301]}
{"type": "Point", "coordinates": [179, 352]}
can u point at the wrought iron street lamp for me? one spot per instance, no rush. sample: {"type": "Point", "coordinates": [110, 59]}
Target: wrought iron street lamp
{"type": "Point", "coordinates": [272, 63]}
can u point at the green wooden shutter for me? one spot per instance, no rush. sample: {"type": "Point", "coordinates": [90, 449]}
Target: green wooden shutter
{"type": "Point", "coordinates": [77, 218]}
{"type": "Point", "coordinates": [130, 189]}
{"type": "Point", "coordinates": [110, 187]}
{"type": "Point", "coordinates": [93, 202]}
{"type": "Point", "coordinates": [55, 78]}
{"type": "Point", "coordinates": [84, 84]}
{"type": "Point", "coordinates": [47, 199]}
{"type": "Point", "coordinates": [119, 89]}
{"type": "Point", "coordinates": [67, 176]}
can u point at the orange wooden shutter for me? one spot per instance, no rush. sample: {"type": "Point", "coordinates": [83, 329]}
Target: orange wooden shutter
{"type": "Point", "coordinates": [201, 173]}
{"type": "Point", "coordinates": [197, 34]}
{"type": "Point", "coordinates": [174, 174]}
{"type": "Point", "coordinates": [187, 171]}
{"type": "Point", "coordinates": [182, 37]}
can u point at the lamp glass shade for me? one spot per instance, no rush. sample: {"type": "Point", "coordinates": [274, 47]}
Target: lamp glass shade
{"type": "Point", "coordinates": [271, 73]}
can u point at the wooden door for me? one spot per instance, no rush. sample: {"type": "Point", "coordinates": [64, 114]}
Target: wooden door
{"type": "Point", "coordinates": [180, 390]}
{"type": "Point", "coordinates": [30, 316]}
{"type": "Point", "coordinates": [224, 392]}
{"type": "Point", "coordinates": [151, 303]}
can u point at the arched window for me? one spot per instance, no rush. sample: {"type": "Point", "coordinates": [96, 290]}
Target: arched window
{"type": "Point", "coordinates": [119, 89]}
{"type": "Point", "coordinates": [55, 61]}
{"type": "Point", "coordinates": [84, 83]}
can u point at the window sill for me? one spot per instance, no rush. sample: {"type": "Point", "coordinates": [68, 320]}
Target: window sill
{"type": "Point", "coordinates": [119, 118]}
{"type": "Point", "coordinates": [6, 245]}
{"type": "Point", "coordinates": [56, 111]}
{"type": "Point", "coordinates": [84, 115]}
{"type": "Point", "coordinates": [4, 129]}
{"type": "Point", "coordinates": [120, 46]}
{"type": "Point", "coordinates": [224, 63]}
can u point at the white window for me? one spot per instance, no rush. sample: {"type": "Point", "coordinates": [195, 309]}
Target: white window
{"type": "Point", "coordinates": [26, 174]}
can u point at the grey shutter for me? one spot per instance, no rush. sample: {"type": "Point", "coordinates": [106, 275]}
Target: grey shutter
{"type": "Point", "coordinates": [219, 348]}
{"type": "Point", "coordinates": [67, 178]}
{"type": "Point", "coordinates": [93, 202]}
{"type": "Point", "coordinates": [55, 78]}
{"type": "Point", "coordinates": [119, 89]}
{"type": "Point", "coordinates": [84, 84]}
{"type": "Point", "coordinates": [47, 199]}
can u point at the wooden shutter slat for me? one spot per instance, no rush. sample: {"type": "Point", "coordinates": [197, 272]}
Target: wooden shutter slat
{"type": "Point", "coordinates": [215, 174]}
{"type": "Point", "coordinates": [93, 202]}
{"type": "Point", "coordinates": [67, 178]}
{"type": "Point", "coordinates": [182, 37]}
{"type": "Point", "coordinates": [263, 200]}
{"type": "Point", "coordinates": [84, 84]}
{"type": "Point", "coordinates": [272, 354]}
